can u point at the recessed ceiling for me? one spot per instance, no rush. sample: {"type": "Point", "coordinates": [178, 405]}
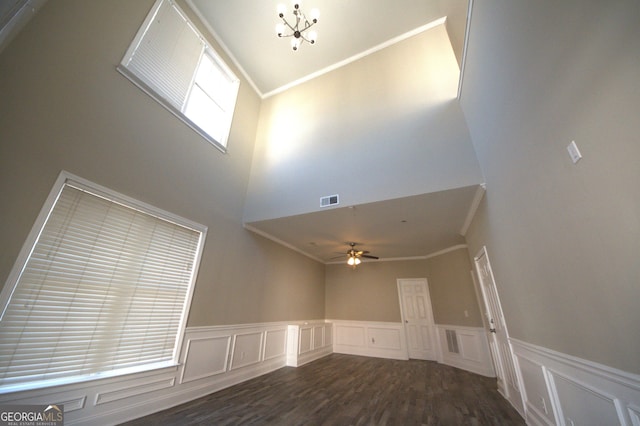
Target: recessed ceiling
{"type": "Point", "coordinates": [408, 227]}
{"type": "Point", "coordinates": [346, 29]}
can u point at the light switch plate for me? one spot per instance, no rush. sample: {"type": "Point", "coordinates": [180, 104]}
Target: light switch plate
{"type": "Point", "coordinates": [574, 152]}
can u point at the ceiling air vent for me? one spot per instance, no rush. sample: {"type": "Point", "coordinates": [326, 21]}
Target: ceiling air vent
{"type": "Point", "coordinates": [329, 200]}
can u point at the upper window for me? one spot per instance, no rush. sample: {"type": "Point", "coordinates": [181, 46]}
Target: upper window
{"type": "Point", "coordinates": [171, 60]}
{"type": "Point", "coordinates": [102, 287]}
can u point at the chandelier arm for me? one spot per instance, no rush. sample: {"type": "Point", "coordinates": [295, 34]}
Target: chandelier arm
{"type": "Point", "coordinates": [290, 27]}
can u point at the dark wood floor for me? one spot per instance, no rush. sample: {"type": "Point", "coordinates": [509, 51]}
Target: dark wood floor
{"type": "Point", "coordinates": [350, 390]}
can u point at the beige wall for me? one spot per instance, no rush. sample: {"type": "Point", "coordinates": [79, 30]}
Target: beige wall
{"type": "Point", "coordinates": [370, 293]}
{"type": "Point", "coordinates": [563, 239]}
{"type": "Point", "coordinates": [452, 290]}
{"type": "Point", "coordinates": [63, 105]}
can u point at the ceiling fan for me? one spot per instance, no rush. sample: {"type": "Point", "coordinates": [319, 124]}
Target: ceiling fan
{"type": "Point", "coordinates": [353, 255]}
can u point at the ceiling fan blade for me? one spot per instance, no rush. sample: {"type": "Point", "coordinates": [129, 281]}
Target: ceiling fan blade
{"type": "Point", "coordinates": [370, 257]}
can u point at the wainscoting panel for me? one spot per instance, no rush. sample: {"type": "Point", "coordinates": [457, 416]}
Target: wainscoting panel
{"type": "Point", "coordinates": [305, 344]}
{"type": "Point", "coordinates": [318, 336]}
{"type": "Point", "coordinates": [205, 356]}
{"type": "Point", "coordinates": [275, 343]}
{"type": "Point", "coordinates": [385, 338]}
{"type": "Point", "coordinates": [308, 342]}
{"type": "Point", "coordinates": [574, 391]}
{"type": "Point", "coordinates": [350, 335]}
{"type": "Point", "coordinates": [129, 390]}
{"type": "Point", "coordinates": [538, 401]}
{"type": "Point", "coordinates": [375, 339]}
{"type": "Point", "coordinates": [473, 349]}
{"type": "Point", "coordinates": [246, 349]}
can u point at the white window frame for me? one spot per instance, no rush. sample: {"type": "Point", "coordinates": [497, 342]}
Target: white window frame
{"type": "Point", "coordinates": [162, 98]}
{"type": "Point", "coordinates": [66, 178]}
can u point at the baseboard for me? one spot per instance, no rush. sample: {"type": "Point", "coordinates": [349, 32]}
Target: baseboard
{"type": "Point", "coordinates": [562, 389]}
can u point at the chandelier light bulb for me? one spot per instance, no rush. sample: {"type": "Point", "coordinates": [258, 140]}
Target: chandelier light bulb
{"type": "Point", "coordinates": [313, 36]}
{"type": "Point", "coordinates": [351, 261]}
{"type": "Point", "coordinates": [314, 15]}
{"type": "Point", "coordinates": [280, 29]}
{"type": "Point", "coordinates": [295, 43]}
{"type": "Point", "coordinates": [356, 261]}
{"type": "Point", "coordinates": [282, 9]}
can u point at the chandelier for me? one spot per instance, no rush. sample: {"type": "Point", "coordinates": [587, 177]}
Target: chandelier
{"type": "Point", "coordinates": [298, 30]}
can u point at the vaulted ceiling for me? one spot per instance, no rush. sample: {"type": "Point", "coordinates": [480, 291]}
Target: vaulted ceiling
{"type": "Point", "coordinates": [348, 30]}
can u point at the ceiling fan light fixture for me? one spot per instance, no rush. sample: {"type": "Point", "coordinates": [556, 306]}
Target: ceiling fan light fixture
{"type": "Point", "coordinates": [353, 261]}
{"type": "Point", "coordinates": [299, 28]}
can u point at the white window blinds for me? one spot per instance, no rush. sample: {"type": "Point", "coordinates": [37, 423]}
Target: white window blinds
{"type": "Point", "coordinates": [171, 60]}
{"type": "Point", "coordinates": [167, 55]}
{"type": "Point", "coordinates": [105, 290]}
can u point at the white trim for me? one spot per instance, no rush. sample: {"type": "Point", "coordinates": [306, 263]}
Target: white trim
{"type": "Point", "coordinates": [399, 259]}
{"type": "Point", "coordinates": [465, 48]}
{"type": "Point", "coordinates": [22, 14]}
{"type": "Point", "coordinates": [445, 251]}
{"type": "Point", "coordinates": [224, 47]}
{"type": "Point", "coordinates": [573, 388]}
{"type": "Point", "coordinates": [611, 374]}
{"type": "Point", "coordinates": [279, 241]}
{"type": "Point", "coordinates": [473, 208]}
{"type": "Point", "coordinates": [390, 42]}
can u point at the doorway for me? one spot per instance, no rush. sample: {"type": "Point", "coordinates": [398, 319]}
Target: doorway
{"type": "Point", "coordinates": [417, 317]}
{"type": "Point", "coordinates": [498, 335]}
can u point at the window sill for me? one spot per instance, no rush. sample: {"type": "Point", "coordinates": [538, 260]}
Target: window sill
{"type": "Point", "coordinates": [65, 381]}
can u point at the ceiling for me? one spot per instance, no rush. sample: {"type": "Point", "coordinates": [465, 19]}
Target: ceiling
{"type": "Point", "coordinates": [402, 228]}
{"type": "Point", "coordinates": [409, 227]}
{"type": "Point", "coordinates": [346, 30]}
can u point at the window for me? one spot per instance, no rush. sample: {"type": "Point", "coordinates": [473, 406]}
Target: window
{"type": "Point", "coordinates": [171, 60]}
{"type": "Point", "coordinates": [102, 288]}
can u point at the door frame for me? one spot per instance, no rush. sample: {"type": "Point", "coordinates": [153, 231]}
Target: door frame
{"type": "Point", "coordinates": [435, 338]}
{"type": "Point", "coordinates": [503, 366]}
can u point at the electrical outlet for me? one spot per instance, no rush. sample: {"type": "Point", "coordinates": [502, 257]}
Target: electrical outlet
{"type": "Point", "coordinates": [574, 152]}
{"type": "Point", "coordinates": [544, 405]}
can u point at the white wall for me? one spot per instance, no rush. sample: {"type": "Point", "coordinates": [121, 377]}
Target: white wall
{"type": "Point", "coordinates": [389, 120]}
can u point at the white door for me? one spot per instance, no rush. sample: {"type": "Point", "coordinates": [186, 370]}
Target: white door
{"type": "Point", "coordinates": [498, 335]}
{"type": "Point", "coordinates": [415, 306]}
